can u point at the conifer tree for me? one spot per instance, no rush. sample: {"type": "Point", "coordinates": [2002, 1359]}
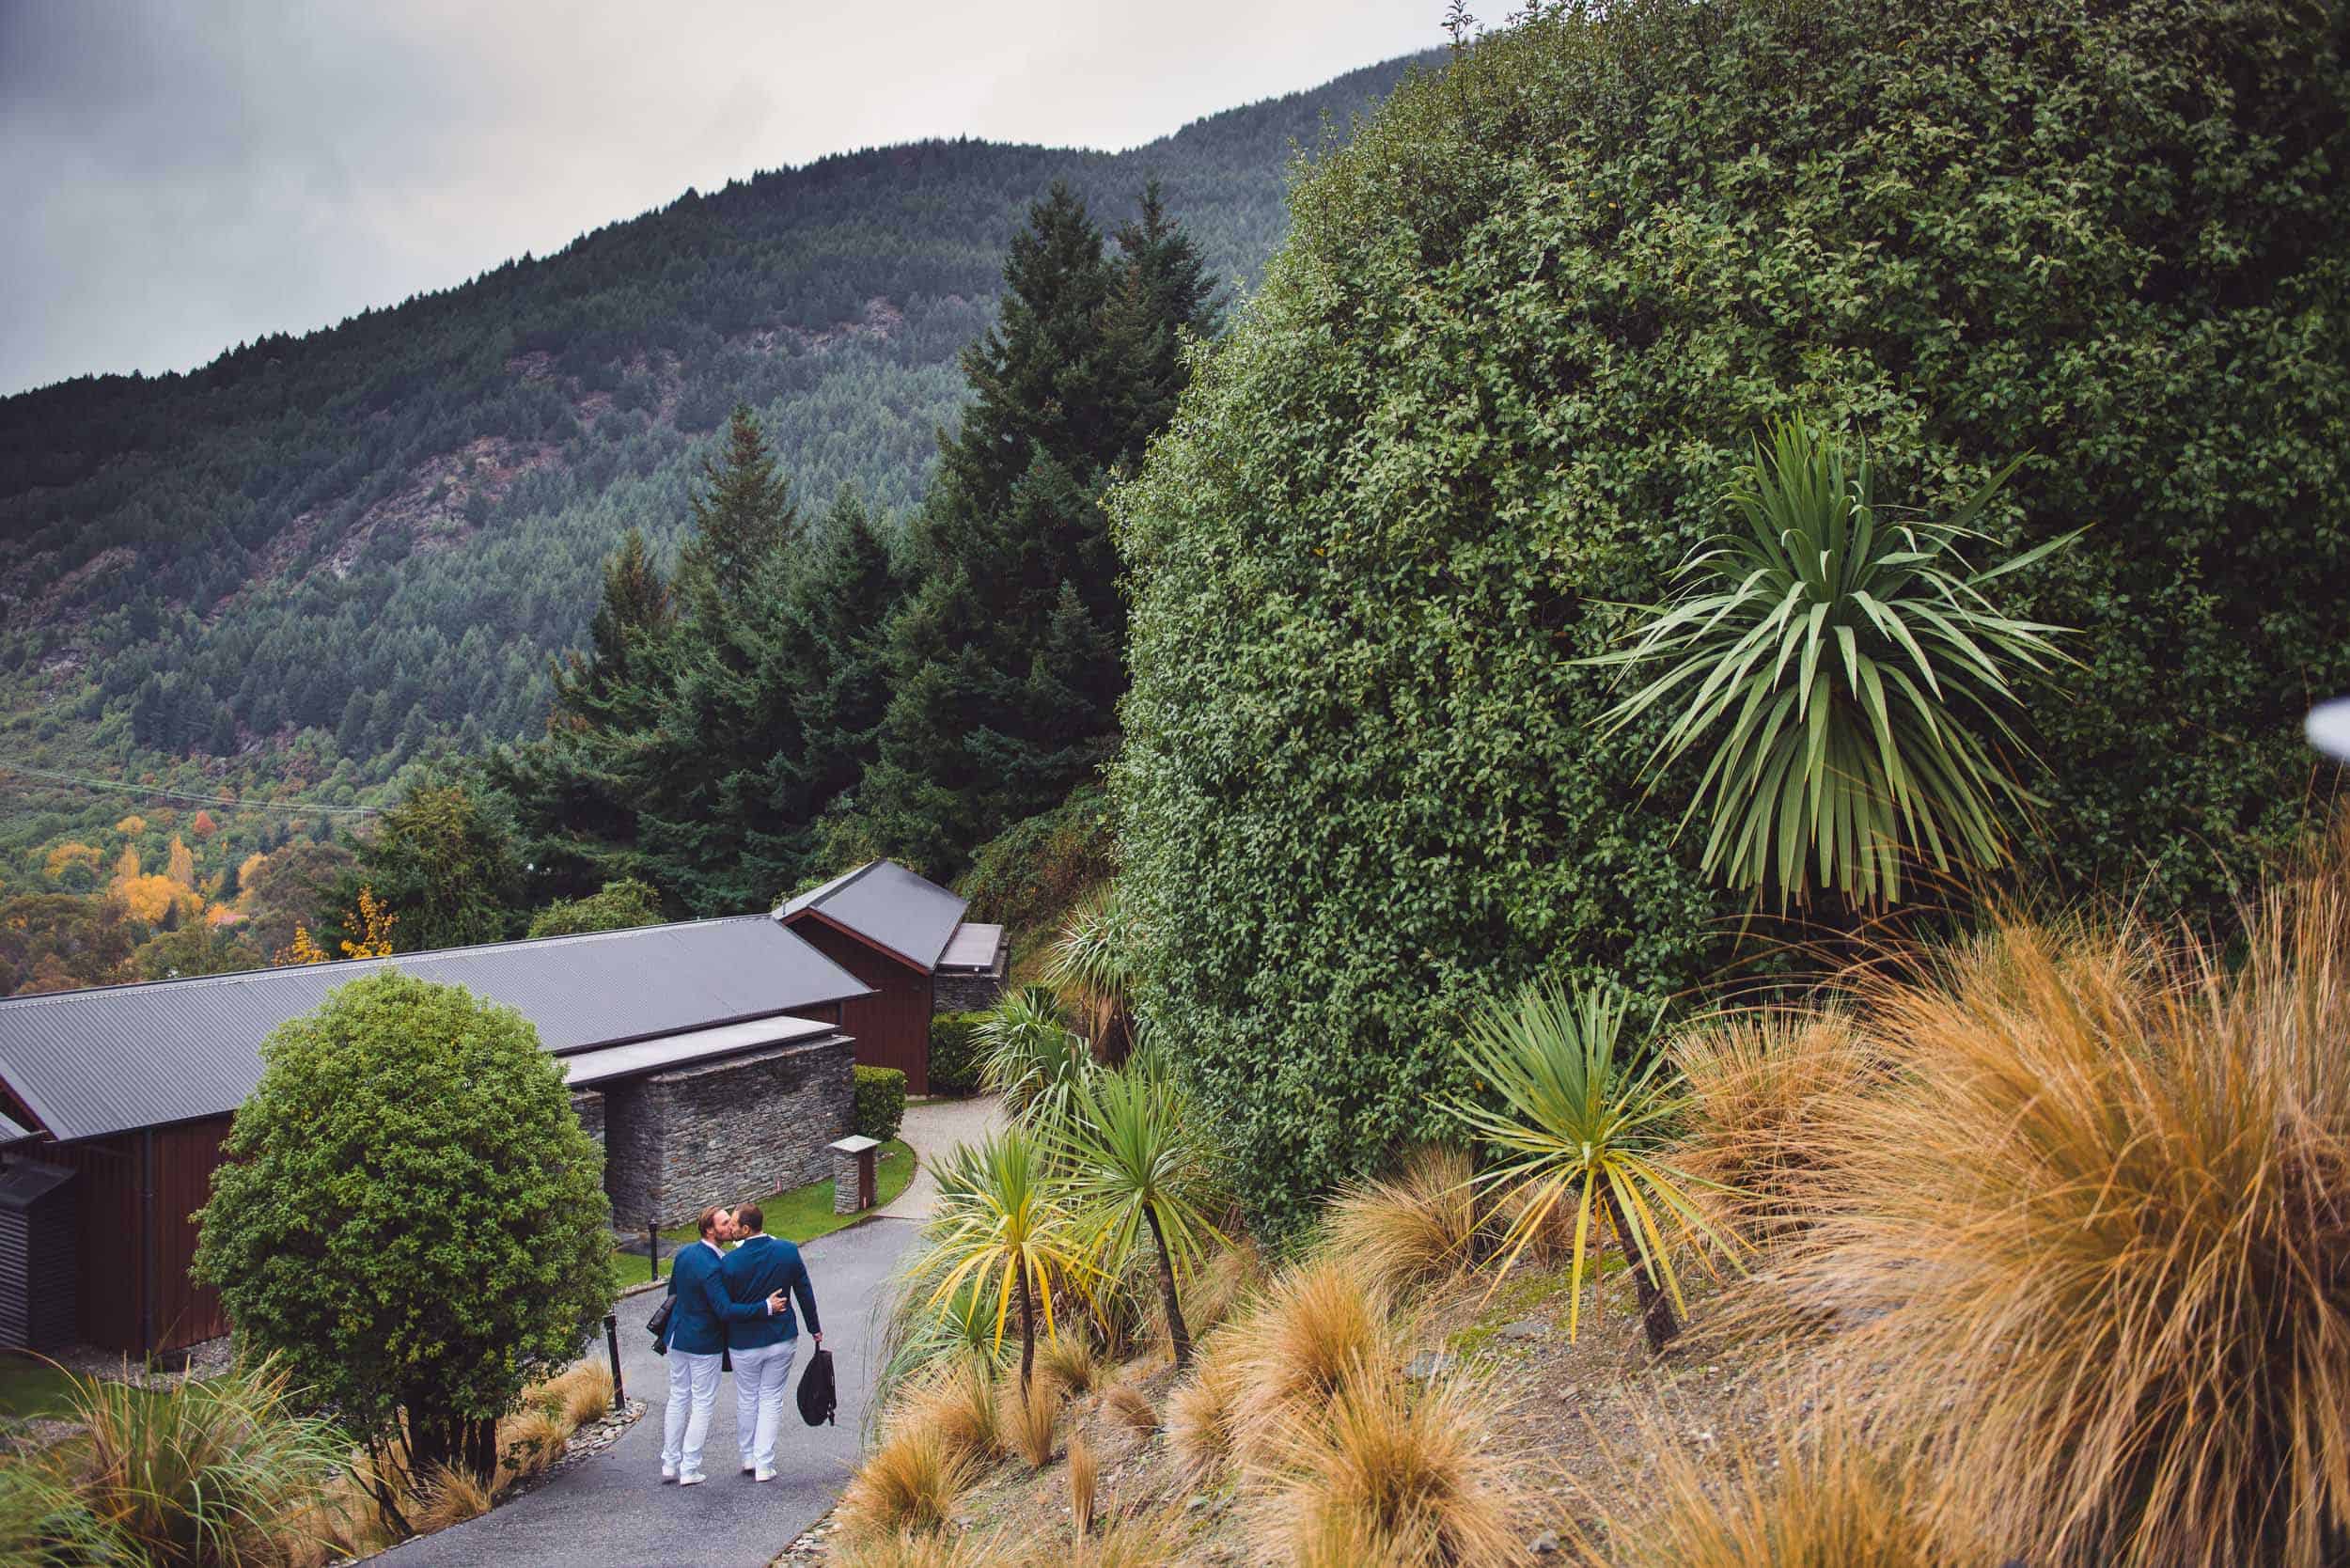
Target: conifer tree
{"type": "Point", "coordinates": [742, 517]}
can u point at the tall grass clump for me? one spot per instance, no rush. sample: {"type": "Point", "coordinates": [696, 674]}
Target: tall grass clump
{"type": "Point", "coordinates": [45, 1523]}
{"type": "Point", "coordinates": [1202, 1408]}
{"type": "Point", "coordinates": [906, 1486]}
{"type": "Point", "coordinates": [1321, 1327]}
{"type": "Point", "coordinates": [2100, 1235]}
{"type": "Point", "coordinates": [1763, 1088]}
{"type": "Point", "coordinates": [1414, 1227]}
{"type": "Point", "coordinates": [957, 1401]}
{"type": "Point", "coordinates": [1793, 1500]}
{"type": "Point", "coordinates": [1398, 1475]}
{"type": "Point", "coordinates": [207, 1471]}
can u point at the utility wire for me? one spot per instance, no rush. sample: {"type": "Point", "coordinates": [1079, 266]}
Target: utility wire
{"type": "Point", "coordinates": [231, 802]}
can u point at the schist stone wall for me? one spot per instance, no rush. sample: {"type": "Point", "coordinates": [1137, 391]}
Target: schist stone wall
{"type": "Point", "coordinates": [588, 1105]}
{"type": "Point", "coordinates": [676, 1142]}
{"type": "Point", "coordinates": [953, 993]}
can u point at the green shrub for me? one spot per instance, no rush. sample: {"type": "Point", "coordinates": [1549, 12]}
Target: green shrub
{"type": "Point", "coordinates": [46, 1523]}
{"type": "Point", "coordinates": [1493, 387]}
{"type": "Point", "coordinates": [881, 1102]}
{"type": "Point", "coordinates": [1033, 873]}
{"type": "Point", "coordinates": [955, 1054]}
{"type": "Point", "coordinates": [410, 1215]}
{"type": "Point", "coordinates": [615, 906]}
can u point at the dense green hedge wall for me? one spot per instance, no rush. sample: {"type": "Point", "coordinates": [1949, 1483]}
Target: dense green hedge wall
{"type": "Point", "coordinates": [955, 1054]}
{"type": "Point", "coordinates": [881, 1102]}
{"type": "Point", "coordinates": [1493, 384]}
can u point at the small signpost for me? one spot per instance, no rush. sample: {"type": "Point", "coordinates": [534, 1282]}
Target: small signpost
{"type": "Point", "coordinates": [854, 1184]}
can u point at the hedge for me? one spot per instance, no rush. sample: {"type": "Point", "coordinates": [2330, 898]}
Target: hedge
{"type": "Point", "coordinates": [881, 1102]}
{"type": "Point", "coordinates": [955, 1054]}
{"type": "Point", "coordinates": [1490, 391]}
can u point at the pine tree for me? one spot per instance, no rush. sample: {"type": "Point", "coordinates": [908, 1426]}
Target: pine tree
{"type": "Point", "coordinates": [634, 609]}
{"type": "Point", "coordinates": [1008, 659]}
{"type": "Point", "coordinates": [742, 517]}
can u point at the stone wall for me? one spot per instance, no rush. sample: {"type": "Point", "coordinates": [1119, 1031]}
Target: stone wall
{"type": "Point", "coordinates": [588, 1106]}
{"type": "Point", "coordinates": [951, 992]}
{"type": "Point", "coordinates": [676, 1142]}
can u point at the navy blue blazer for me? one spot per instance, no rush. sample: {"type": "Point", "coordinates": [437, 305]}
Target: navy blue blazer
{"type": "Point", "coordinates": [698, 1324]}
{"type": "Point", "coordinates": [755, 1271]}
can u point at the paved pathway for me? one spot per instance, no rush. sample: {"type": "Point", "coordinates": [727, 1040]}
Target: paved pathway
{"type": "Point", "coordinates": [933, 1129]}
{"type": "Point", "coordinates": [613, 1512]}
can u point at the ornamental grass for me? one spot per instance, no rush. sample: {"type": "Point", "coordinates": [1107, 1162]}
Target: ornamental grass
{"type": "Point", "coordinates": [1763, 1089]}
{"type": "Point", "coordinates": [1416, 1228]}
{"type": "Point", "coordinates": [2093, 1247]}
{"type": "Point", "coordinates": [1320, 1328]}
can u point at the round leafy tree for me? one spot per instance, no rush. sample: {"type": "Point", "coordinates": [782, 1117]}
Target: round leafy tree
{"type": "Point", "coordinates": [1526, 326]}
{"type": "Point", "coordinates": [411, 1215]}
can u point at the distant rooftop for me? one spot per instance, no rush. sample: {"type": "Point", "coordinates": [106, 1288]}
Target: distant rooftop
{"type": "Point", "coordinates": [974, 950]}
{"type": "Point", "coordinates": [909, 917]}
{"type": "Point", "coordinates": [111, 1058]}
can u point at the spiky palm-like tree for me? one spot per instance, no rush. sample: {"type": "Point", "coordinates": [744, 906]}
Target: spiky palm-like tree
{"type": "Point", "coordinates": [1137, 1161]}
{"type": "Point", "coordinates": [1005, 1220]}
{"type": "Point", "coordinates": [1857, 674]}
{"type": "Point", "coordinates": [1092, 967]}
{"type": "Point", "coordinates": [1577, 1125]}
{"type": "Point", "coordinates": [1032, 1058]}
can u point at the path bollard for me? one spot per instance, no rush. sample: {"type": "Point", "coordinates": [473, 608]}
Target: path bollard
{"type": "Point", "coordinates": [612, 1343]}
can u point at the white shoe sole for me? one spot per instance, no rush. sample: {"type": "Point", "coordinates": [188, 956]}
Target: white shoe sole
{"type": "Point", "coordinates": [691, 1481]}
{"type": "Point", "coordinates": [769, 1476]}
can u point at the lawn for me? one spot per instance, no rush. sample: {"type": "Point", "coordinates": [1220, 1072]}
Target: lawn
{"type": "Point", "coordinates": [798, 1216]}
{"type": "Point", "coordinates": [30, 1386]}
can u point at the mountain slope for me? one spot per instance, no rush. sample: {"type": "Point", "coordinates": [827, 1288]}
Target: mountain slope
{"type": "Point", "coordinates": [320, 558]}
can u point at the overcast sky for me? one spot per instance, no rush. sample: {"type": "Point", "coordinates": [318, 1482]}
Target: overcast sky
{"type": "Point", "coordinates": [182, 175]}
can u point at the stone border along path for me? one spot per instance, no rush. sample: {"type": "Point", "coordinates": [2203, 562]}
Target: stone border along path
{"type": "Point", "coordinates": [611, 1511]}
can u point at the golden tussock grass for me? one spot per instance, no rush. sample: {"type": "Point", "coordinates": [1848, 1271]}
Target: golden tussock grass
{"type": "Point", "coordinates": [1765, 1087]}
{"type": "Point", "coordinates": [1027, 1419]}
{"type": "Point", "coordinates": [1415, 1228]}
{"type": "Point", "coordinates": [579, 1394]}
{"type": "Point", "coordinates": [1221, 1287]}
{"type": "Point", "coordinates": [529, 1442]}
{"type": "Point", "coordinates": [1068, 1359]}
{"type": "Point", "coordinates": [1200, 1408]}
{"type": "Point", "coordinates": [908, 1550]}
{"type": "Point", "coordinates": [2100, 1233]}
{"type": "Point", "coordinates": [1145, 1541]}
{"type": "Point", "coordinates": [958, 1401]}
{"type": "Point", "coordinates": [1795, 1500]}
{"type": "Point", "coordinates": [1131, 1408]}
{"type": "Point", "coordinates": [907, 1485]}
{"type": "Point", "coordinates": [1085, 1474]}
{"type": "Point", "coordinates": [1392, 1473]}
{"type": "Point", "coordinates": [1320, 1327]}
{"type": "Point", "coordinates": [450, 1497]}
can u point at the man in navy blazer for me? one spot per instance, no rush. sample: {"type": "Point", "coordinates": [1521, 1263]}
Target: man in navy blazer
{"type": "Point", "coordinates": [697, 1344]}
{"type": "Point", "coordinates": [761, 1268]}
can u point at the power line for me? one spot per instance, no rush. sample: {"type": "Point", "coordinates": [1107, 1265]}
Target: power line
{"type": "Point", "coordinates": [289, 807]}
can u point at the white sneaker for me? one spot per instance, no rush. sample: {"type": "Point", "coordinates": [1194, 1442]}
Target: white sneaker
{"type": "Point", "coordinates": [691, 1481]}
{"type": "Point", "coordinates": [748, 1468]}
{"type": "Point", "coordinates": [669, 1472]}
{"type": "Point", "coordinates": [764, 1475]}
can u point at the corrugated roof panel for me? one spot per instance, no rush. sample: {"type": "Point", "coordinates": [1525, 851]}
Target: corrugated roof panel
{"type": "Point", "coordinates": [884, 902]}
{"type": "Point", "coordinates": [975, 948]}
{"type": "Point", "coordinates": [106, 1060]}
{"type": "Point", "coordinates": [588, 1067]}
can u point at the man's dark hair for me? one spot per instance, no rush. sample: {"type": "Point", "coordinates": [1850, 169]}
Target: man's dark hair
{"type": "Point", "coordinates": [750, 1217]}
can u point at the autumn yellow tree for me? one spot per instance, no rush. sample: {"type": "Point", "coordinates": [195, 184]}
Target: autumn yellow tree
{"type": "Point", "coordinates": [180, 866]}
{"type": "Point", "coordinates": [128, 868]}
{"type": "Point", "coordinates": [130, 826]}
{"type": "Point", "coordinates": [372, 920]}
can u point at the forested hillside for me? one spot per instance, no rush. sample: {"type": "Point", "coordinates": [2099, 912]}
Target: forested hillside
{"type": "Point", "coordinates": [319, 559]}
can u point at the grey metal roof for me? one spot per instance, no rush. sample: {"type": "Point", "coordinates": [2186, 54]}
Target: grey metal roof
{"type": "Point", "coordinates": [888, 906]}
{"type": "Point", "coordinates": [112, 1059]}
{"type": "Point", "coordinates": [11, 1132]}
{"type": "Point", "coordinates": [973, 947]}
{"type": "Point", "coordinates": [662, 1052]}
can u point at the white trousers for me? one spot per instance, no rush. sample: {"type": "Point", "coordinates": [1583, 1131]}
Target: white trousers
{"type": "Point", "coordinates": [693, 1395]}
{"type": "Point", "coordinates": [763, 1376]}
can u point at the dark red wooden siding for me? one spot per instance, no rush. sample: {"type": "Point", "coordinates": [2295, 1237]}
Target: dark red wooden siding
{"type": "Point", "coordinates": [114, 1247]}
{"type": "Point", "coordinates": [892, 1027]}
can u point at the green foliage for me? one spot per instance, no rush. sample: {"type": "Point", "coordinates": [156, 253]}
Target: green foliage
{"type": "Point", "coordinates": [442, 861]}
{"type": "Point", "coordinates": [881, 1102]}
{"type": "Point", "coordinates": [205, 1472]}
{"type": "Point", "coordinates": [616, 907]}
{"type": "Point", "coordinates": [196, 950]}
{"type": "Point", "coordinates": [364, 543]}
{"type": "Point", "coordinates": [1579, 1127]}
{"type": "Point", "coordinates": [1030, 875]}
{"type": "Point", "coordinates": [955, 1054]}
{"type": "Point", "coordinates": [411, 1217]}
{"type": "Point", "coordinates": [45, 1522]}
{"type": "Point", "coordinates": [1007, 657]}
{"type": "Point", "coordinates": [1488, 394]}
{"type": "Point", "coordinates": [1031, 1055]}
{"type": "Point", "coordinates": [1005, 1228]}
{"type": "Point", "coordinates": [57, 941]}
{"type": "Point", "coordinates": [1139, 1164]}
{"type": "Point", "coordinates": [1859, 662]}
